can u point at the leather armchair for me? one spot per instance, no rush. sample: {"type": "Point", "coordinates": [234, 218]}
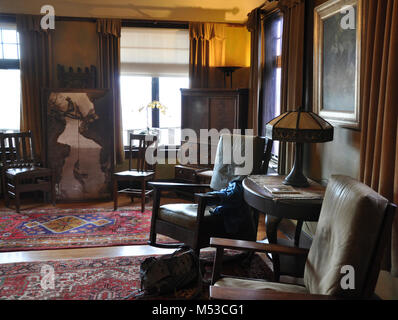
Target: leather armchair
{"type": "Point", "coordinates": [192, 223]}
{"type": "Point", "coordinates": [352, 231]}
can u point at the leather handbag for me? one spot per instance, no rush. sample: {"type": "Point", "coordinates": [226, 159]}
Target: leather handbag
{"type": "Point", "coordinates": [169, 273]}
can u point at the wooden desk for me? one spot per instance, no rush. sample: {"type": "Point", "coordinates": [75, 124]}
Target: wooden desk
{"type": "Point", "coordinates": [305, 206]}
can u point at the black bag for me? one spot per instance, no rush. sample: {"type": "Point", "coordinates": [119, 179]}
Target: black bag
{"type": "Point", "coordinates": [169, 273]}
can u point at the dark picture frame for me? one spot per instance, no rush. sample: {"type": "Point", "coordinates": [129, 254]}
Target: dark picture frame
{"type": "Point", "coordinates": [337, 60]}
{"type": "Point", "coordinates": [78, 142]}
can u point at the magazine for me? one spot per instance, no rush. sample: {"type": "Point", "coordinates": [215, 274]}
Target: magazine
{"type": "Point", "coordinates": [281, 189]}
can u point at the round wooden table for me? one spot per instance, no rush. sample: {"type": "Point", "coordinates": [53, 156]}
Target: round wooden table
{"type": "Point", "coordinates": [304, 206]}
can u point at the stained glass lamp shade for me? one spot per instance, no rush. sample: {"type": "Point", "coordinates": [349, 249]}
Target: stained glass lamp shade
{"type": "Point", "coordinates": [299, 127]}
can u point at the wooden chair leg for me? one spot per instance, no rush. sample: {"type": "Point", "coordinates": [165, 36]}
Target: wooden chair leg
{"type": "Point", "coordinates": [155, 210]}
{"type": "Point", "coordinates": [115, 194]}
{"type": "Point", "coordinates": [5, 192]}
{"type": "Point", "coordinates": [143, 195]}
{"type": "Point", "coordinates": [17, 199]}
{"type": "Point", "coordinates": [53, 195]}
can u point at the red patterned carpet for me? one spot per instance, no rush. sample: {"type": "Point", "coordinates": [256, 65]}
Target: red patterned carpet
{"type": "Point", "coordinates": [73, 228]}
{"type": "Point", "coordinates": [99, 279]}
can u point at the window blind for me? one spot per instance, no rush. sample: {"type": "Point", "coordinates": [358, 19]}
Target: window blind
{"type": "Point", "coordinates": [154, 52]}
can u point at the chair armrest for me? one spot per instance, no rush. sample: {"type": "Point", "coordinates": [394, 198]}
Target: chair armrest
{"type": "Point", "coordinates": [256, 246]}
{"type": "Point", "coordinates": [226, 293]}
{"type": "Point", "coordinates": [173, 185]}
{"type": "Point", "coordinates": [206, 196]}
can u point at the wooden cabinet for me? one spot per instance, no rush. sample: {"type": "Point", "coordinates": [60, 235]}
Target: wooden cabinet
{"type": "Point", "coordinates": [214, 108]}
{"type": "Point", "coordinates": [210, 109]}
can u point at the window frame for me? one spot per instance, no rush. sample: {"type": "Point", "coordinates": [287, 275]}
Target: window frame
{"type": "Point", "coordinates": [274, 62]}
{"type": "Point", "coordinates": [9, 64]}
{"type": "Point", "coordinates": [156, 117]}
{"type": "Point", "coordinates": [155, 80]}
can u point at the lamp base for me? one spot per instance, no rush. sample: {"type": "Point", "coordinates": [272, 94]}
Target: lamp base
{"type": "Point", "coordinates": [296, 177]}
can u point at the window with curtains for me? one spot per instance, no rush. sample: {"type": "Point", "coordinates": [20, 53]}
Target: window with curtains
{"type": "Point", "coordinates": [272, 73]}
{"type": "Point", "coordinates": [10, 82]}
{"type": "Point", "coordinates": [154, 66]}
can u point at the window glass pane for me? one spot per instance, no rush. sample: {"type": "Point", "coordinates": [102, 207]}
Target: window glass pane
{"type": "Point", "coordinates": [136, 92]}
{"type": "Point", "coordinates": [10, 51]}
{"type": "Point", "coordinates": [271, 104]}
{"type": "Point", "coordinates": [9, 36]}
{"type": "Point", "coordinates": [170, 96]}
{"type": "Point", "coordinates": [10, 93]}
{"type": "Point", "coordinates": [154, 52]}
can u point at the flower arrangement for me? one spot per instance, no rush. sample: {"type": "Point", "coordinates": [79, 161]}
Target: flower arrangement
{"type": "Point", "coordinates": [155, 105]}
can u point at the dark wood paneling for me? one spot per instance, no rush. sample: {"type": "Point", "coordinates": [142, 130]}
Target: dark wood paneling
{"type": "Point", "coordinates": [195, 113]}
{"type": "Point", "coordinates": [223, 113]}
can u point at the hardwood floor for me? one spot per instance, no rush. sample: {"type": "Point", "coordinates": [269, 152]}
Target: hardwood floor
{"type": "Point", "coordinates": [98, 252]}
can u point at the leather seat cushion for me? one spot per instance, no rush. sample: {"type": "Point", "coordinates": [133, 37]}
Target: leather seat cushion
{"type": "Point", "coordinates": [182, 214]}
{"type": "Point", "coordinates": [259, 285]}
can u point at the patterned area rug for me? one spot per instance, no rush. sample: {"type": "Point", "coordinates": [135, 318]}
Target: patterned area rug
{"type": "Point", "coordinates": [102, 279]}
{"type": "Point", "coordinates": [74, 228]}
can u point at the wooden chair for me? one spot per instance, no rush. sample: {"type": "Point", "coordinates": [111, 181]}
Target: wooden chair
{"type": "Point", "coordinates": [352, 231]}
{"type": "Point", "coordinates": [21, 170]}
{"type": "Point", "coordinates": [142, 172]}
{"type": "Point", "coordinates": [205, 175]}
{"type": "Point", "coordinates": [192, 223]}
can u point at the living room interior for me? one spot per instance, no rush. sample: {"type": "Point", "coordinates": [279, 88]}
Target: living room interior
{"type": "Point", "coordinates": [308, 84]}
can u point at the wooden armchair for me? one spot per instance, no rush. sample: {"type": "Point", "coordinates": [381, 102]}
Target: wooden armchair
{"type": "Point", "coordinates": [352, 231]}
{"type": "Point", "coordinates": [192, 223]}
{"type": "Point", "coordinates": [141, 173]}
{"type": "Point", "coordinates": [21, 170]}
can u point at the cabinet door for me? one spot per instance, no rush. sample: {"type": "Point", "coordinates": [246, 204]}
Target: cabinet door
{"type": "Point", "coordinates": [223, 113]}
{"type": "Point", "coordinates": [195, 113]}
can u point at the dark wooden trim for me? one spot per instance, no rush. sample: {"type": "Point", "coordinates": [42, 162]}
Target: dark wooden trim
{"type": "Point", "coordinates": [173, 185]}
{"type": "Point", "coordinates": [131, 23]}
{"type": "Point", "coordinates": [308, 55]}
{"type": "Point", "coordinates": [9, 64]}
{"type": "Point", "coordinates": [256, 246]}
{"type": "Point", "coordinates": [155, 97]}
{"type": "Point", "coordinates": [225, 293]}
{"type": "Point", "coordinates": [8, 17]}
{"type": "Point", "coordinates": [76, 19]}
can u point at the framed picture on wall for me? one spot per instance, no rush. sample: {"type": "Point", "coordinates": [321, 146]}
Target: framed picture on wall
{"type": "Point", "coordinates": [337, 60]}
{"type": "Point", "coordinates": [78, 142]}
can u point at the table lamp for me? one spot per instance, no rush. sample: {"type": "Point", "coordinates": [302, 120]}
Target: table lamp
{"type": "Point", "coordinates": [299, 127]}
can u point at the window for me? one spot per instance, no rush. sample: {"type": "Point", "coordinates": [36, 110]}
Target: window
{"type": "Point", "coordinates": [272, 76]}
{"type": "Point", "coordinates": [10, 82]}
{"type": "Point", "coordinates": [154, 66]}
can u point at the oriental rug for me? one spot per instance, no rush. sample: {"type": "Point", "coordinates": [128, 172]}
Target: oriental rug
{"type": "Point", "coordinates": [104, 279]}
{"type": "Point", "coordinates": [74, 228]}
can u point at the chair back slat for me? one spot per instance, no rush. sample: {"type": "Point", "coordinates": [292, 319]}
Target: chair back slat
{"type": "Point", "coordinates": [24, 150]}
{"type": "Point", "coordinates": [17, 150]}
{"type": "Point", "coordinates": [11, 148]}
{"type": "Point", "coordinates": [267, 156]}
{"type": "Point", "coordinates": [138, 145]}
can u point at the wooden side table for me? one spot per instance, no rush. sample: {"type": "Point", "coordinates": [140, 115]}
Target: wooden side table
{"type": "Point", "coordinates": [305, 206]}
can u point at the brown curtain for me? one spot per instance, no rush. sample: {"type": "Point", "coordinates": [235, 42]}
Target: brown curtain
{"type": "Point", "coordinates": [206, 51]}
{"type": "Point", "coordinates": [292, 69]}
{"type": "Point", "coordinates": [109, 73]}
{"type": "Point", "coordinates": [379, 102]}
{"type": "Point", "coordinates": [36, 63]}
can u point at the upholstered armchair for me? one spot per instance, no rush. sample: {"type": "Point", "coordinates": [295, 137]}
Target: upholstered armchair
{"type": "Point", "coordinates": [351, 236]}
{"type": "Point", "coordinates": [192, 223]}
